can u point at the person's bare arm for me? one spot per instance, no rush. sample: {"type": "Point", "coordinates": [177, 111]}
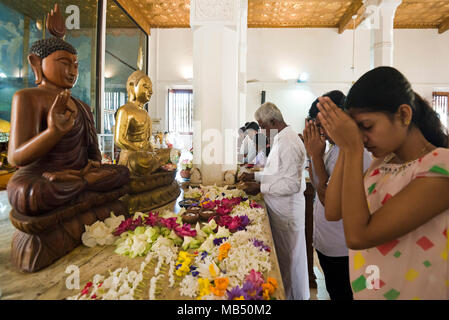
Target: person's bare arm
{"type": "Point", "coordinates": [420, 201]}
{"type": "Point", "coordinates": [332, 208]}
{"type": "Point", "coordinates": [315, 145]}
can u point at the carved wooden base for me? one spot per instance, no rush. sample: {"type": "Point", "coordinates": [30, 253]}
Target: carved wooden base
{"type": "Point", "coordinates": [42, 240]}
{"type": "Point", "coordinates": [153, 199]}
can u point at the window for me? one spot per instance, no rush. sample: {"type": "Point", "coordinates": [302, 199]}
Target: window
{"type": "Point", "coordinates": [180, 111]}
{"type": "Point", "coordinates": [440, 104]}
{"type": "Point", "coordinates": [180, 117]}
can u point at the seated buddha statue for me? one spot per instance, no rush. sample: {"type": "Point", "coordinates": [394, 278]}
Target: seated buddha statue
{"type": "Point", "coordinates": [133, 134]}
{"type": "Point", "coordinates": [53, 138]}
{"type": "Point", "coordinates": [134, 129]}
{"type": "Point", "coordinates": [54, 143]}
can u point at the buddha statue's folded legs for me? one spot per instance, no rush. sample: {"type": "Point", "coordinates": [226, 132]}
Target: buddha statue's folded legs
{"type": "Point", "coordinates": [31, 193]}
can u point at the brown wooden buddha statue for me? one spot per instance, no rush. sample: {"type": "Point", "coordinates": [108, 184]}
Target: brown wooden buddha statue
{"type": "Point", "coordinates": [53, 138]}
{"type": "Point", "coordinates": [60, 182]}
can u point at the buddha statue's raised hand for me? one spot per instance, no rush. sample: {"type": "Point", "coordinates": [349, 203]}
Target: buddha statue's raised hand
{"type": "Point", "coordinates": [62, 114]}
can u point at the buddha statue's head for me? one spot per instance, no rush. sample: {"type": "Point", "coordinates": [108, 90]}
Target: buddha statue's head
{"type": "Point", "coordinates": [54, 62]}
{"type": "Point", "coordinates": [140, 88]}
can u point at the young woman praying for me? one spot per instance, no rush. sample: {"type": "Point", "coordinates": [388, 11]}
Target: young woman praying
{"type": "Point", "coordinates": [395, 215]}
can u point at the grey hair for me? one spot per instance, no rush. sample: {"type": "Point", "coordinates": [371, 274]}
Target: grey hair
{"type": "Point", "coordinates": [267, 112]}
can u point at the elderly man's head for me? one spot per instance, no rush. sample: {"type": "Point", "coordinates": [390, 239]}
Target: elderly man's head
{"type": "Point", "coordinates": [270, 119]}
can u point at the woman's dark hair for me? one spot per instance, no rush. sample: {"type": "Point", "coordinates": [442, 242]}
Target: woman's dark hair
{"type": "Point", "coordinates": [336, 96]}
{"type": "Point", "coordinates": [252, 125]}
{"type": "Point", "coordinates": [384, 89]}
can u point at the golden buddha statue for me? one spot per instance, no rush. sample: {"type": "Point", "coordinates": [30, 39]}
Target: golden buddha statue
{"type": "Point", "coordinates": [132, 135]}
{"type": "Point", "coordinates": [134, 129]}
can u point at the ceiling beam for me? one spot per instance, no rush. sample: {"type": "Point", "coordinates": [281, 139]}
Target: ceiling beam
{"type": "Point", "coordinates": [444, 26]}
{"type": "Point", "coordinates": [136, 14]}
{"type": "Point", "coordinates": [346, 19]}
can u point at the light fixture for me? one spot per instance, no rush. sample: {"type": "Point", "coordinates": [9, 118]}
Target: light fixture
{"type": "Point", "coordinates": [187, 73]}
{"type": "Point", "coordinates": [108, 74]}
{"type": "Point", "coordinates": [2, 75]}
{"type": "Point", "coordinates": [303, 77]}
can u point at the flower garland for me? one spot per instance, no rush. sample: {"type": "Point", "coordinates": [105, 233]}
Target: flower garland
{"type": "Point", "coordinates": [229, 259]}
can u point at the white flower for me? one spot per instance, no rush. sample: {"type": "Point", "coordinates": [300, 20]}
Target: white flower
{"type": "Point", "coordinates": [98, 233]}
{"type": "Point", "coordinates": [207, 245]}
{"type": "Point", "coordinates": [189, 286]}
{"type": "Point", "coordinates": [113, 222]}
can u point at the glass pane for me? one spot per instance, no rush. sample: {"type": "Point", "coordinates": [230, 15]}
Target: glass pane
{"type": "Point", "coordinates": [126, 45]}
{"type": "Point", "coordinates": [21, 24]}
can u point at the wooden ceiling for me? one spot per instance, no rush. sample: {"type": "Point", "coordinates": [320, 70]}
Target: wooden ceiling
{"type": "Point", "coordinates": [413, 14]}
{"type": "Point", "coordinates": [301, 13]}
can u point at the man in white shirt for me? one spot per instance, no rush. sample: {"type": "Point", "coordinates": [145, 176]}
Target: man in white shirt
{"type": "Point", "coordinates": [283, 184]}
{"type": "Point", "coordinates": [328, 236]}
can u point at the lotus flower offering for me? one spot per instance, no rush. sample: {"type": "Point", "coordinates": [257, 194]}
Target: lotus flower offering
{"type": "Point", "coordinates": [218, 248]}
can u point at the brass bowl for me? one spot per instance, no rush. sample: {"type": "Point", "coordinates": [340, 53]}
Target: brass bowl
{"type": "Point", "coordinates": [207, 213]}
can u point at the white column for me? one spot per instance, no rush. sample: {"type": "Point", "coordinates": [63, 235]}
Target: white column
{"type": "Point", "coordinates": [217, 67]}
{"type": "Point", "coordinates": [243, 52]}
{"type": "Point", "coordinates": [382, 33]}
{"type": "Point", "coordinates": [153, 105]}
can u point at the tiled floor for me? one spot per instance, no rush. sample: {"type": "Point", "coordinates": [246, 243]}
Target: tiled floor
{"type": "Point", "coordinates": [320, 292]}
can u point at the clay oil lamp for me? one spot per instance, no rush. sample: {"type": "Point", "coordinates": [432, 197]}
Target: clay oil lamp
{"type": "Point", "coordinates": [206, 214]}
{"type": "Point", "coordinates": [190, 217]}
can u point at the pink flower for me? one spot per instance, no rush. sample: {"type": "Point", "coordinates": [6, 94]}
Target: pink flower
{"type": "Point", "coordinates": [222, 211]}
{"type": "Point", "coordinates": [185, 231]}
{"type": "Point", "coordinates": [256, 278]}
{"type": "Point", "coordinates": [128, 225]}
{"type": "Point", "coordinates": [255, 205]}
{"type": "Point", "coordinates": [169, 223]}
{"type": "Point", "coordinates": [223, 221]}
{"type": "Point", "coordinates": [152, 219]}
{"type": "Point", "coordinates": [227, 203]}
{"type": "Point", "coordinates": [234, 224]}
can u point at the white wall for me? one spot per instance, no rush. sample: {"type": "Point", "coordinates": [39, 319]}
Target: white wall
{"type": "Point", "coordinates": [171, 64]}
{"type": "Point", "coordinates": [422, 55]}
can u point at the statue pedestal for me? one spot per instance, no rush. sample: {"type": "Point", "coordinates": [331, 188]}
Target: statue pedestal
{"type": "Point", "coordinates": [152, 191]}
{"type": "Point", "coordinates": [43, 239]}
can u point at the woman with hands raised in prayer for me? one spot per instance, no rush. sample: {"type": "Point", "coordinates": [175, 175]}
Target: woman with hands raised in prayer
{"type": "Point", "coordinates": [396, 215]}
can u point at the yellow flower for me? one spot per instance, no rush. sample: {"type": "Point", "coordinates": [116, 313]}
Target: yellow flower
{"type": "Point", "coordinates": [204, 286]}
{"type": "Point", "coordinates": [239, 298]}
{"type": "Point", "coordinates": [212, 271]}
{"type": "Point", "coordinates": [266, 295]}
